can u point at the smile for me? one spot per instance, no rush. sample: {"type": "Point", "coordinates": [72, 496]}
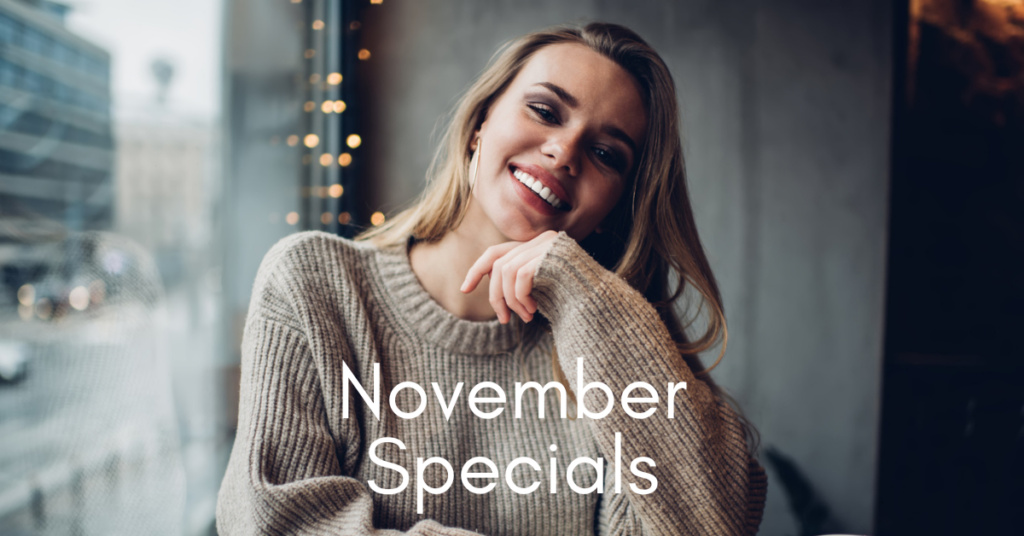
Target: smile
{"type": "Point", "coordinates": [538, 188]}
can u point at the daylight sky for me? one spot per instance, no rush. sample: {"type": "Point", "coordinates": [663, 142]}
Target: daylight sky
{"type": "Point", "coordinates": [135, 32]}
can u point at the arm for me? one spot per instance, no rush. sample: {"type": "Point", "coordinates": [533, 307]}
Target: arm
{"type": "Point", "coordinates": [707, 483]}
{"type": "Point", "coordinates": [285, 475]}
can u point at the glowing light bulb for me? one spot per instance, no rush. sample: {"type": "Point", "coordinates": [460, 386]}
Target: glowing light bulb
{"type": "Point", "coordinates": [364, 54]}
{"type": "Point", "coordinates": [353, 140]}
{"type": "Point", "coordinates": [336, 190]}
{"type": "Point", "coordinates": [326, 159]}
{"type": "Point", "coordinates": [292, 218]}
{"type": "Point", "coordinates": [344, 159]}
{"type": "Point", "coordinates": [334, 79]}
{"type": "Point", "coordinates": [339, 106]}
{"type": "Point", "coordinates": [377, 218]}
{"type": "Point", "coordinates": [311, 140]}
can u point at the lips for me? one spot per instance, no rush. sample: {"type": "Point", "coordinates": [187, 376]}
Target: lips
{"type": "Point", "coordinates": [542, 184]}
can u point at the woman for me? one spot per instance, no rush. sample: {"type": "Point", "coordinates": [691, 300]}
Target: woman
{"type": "Point", "coordinates": [561, 180]}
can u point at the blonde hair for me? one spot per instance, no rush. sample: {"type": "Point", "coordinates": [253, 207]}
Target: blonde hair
{"type": "Point", "coordinates": [649, 236]}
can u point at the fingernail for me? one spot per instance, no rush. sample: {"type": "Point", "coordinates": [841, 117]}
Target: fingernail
{"type": "Point", "coordinates": [463, 287]}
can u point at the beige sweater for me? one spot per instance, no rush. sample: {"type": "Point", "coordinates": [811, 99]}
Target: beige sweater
{"type": "Point", "coordinates": [299, 467]}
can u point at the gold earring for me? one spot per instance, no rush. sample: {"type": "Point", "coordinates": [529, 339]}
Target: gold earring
{"type": "Point", "coordinates": [474, 163]}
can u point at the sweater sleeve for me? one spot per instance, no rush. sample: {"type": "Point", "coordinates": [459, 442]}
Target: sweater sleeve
{"type": "Point", "coordinates": [707, 483]}
{"type": "Point", "coordinates": [285, 475]}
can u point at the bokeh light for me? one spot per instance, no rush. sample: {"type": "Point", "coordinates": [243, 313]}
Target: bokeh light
{"type": "Point", "coordinates": [79, 298]}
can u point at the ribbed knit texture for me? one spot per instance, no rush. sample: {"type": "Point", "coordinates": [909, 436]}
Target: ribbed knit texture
{"type": "Point", "coordinates": [299, 467]}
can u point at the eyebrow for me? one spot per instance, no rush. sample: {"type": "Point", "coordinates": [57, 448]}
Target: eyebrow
{"type": "Point", "coordinates": [612, 131]}
{"type": "Point", "coordinates": [562, 94]}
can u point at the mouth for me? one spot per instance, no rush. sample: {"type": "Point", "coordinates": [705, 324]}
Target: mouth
{"type": "Point", "coordinates": [540, 190]}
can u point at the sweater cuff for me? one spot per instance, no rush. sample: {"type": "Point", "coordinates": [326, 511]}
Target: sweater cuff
{"type": "Point", "coordinates": [568, 278]}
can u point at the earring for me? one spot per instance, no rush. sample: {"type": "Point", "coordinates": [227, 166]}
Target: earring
{"type": "Point", "coordinates": [474, 163]}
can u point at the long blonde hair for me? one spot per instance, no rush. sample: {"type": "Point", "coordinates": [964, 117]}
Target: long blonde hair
{"type": "Point", "coordinates": [649, 238]}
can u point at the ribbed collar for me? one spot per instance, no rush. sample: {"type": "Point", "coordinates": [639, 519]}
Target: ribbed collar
{"type": "Point", "coordinates": [434, 323]}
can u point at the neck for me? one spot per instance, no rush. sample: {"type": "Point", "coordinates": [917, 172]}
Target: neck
{"type": "Point", "coordinates": [442, 266]}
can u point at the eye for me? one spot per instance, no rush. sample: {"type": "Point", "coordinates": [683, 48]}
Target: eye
{"type": "Point", "coordinates": [544, 112]}
{"type": "Point", "coordinates": [609, 158]}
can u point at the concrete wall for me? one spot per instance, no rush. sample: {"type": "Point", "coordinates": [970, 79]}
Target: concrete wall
{"type": "Point", "coordinates": [786, 129]}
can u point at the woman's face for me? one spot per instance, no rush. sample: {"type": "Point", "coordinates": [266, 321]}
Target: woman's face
{"type": "Point", "coordinates": [571, 125]}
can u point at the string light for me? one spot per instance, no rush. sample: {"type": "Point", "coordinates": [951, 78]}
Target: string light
{"type": "Point", "coordinates": [292, 218]}
{"type": "Point", "coordinates": [344, 218]}
{"type": "Point", "coordinates": [314, 78]}
{"type": "Point", "coordinates": [309, 53]}
{"type": "Point", "coordinates": [353, 140]}
{"type": "Point", "coordinates": [364, 54]}
{"type": "Point", "coordinates": [335, 190]}
{"type": "Point", "coordinates": [325, 218]}
{"type": "Point", "coordinates": [334, 79]}
{"type": "Point", "coordinates": [377, 218]}
{"type": "Point", "coordinates": [327, 107]}
{"type": "Point", "coordinates": [311, 140]}
{"type": "Point", "coordinates": [293, 140]}
{"type": "Point", "coordinates": [309, 106]}
{"type": "Point", "coordinates": [339, 106]}
{"type": "Point", "coordinates": [376, 1]}
{"type": "Point", "coordinates": [325, 160]}
{"type": "Point", "coordinates": [344, 159]}
{"type": "Point", "coordinates": [318, 25]}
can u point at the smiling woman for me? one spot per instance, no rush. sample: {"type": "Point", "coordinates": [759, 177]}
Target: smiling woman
{"type": "Point", "coordinates": [561, 181]}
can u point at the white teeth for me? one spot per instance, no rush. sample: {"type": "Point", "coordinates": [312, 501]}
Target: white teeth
{"type": "Point", "coordinates": [543, 191]}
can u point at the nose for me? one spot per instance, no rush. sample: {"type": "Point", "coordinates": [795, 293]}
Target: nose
{"type": "Point", "coordinates": [563, 151]}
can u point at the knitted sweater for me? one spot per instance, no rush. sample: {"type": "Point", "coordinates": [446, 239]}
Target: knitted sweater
{"type": "Point", "coordinates": [323, 303]}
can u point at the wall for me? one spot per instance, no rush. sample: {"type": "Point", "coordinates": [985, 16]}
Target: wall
{"type": "Point", "coordinates": [786, 130]}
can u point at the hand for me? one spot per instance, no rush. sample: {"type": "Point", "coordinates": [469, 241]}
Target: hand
{"type": "Point", "coordinates": [511, 267]}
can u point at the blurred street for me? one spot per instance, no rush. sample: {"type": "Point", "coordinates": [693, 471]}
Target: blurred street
{"type": "Point", "coordinates": [99, 435]}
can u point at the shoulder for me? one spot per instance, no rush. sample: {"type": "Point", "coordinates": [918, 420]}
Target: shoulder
{"type": "Point", "coordinates": [311, 266]}
{"type": "Point", "coordinates": [315, 254]}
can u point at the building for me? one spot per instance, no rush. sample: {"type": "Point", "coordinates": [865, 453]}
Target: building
{"type": "Point", "coordinates": [56, 144]}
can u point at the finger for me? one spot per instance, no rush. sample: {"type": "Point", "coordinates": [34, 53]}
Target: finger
{"type": "Point", "coordinates": [509, 271]}
{"type": "Point", "coordinates": [483, 265]}
{"type": "Point", "coordinates": [497, 299]}
{"type": "Point", "coordinates": [525, 264]}
{"type": "Point", "coordinates": [524, 285]}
